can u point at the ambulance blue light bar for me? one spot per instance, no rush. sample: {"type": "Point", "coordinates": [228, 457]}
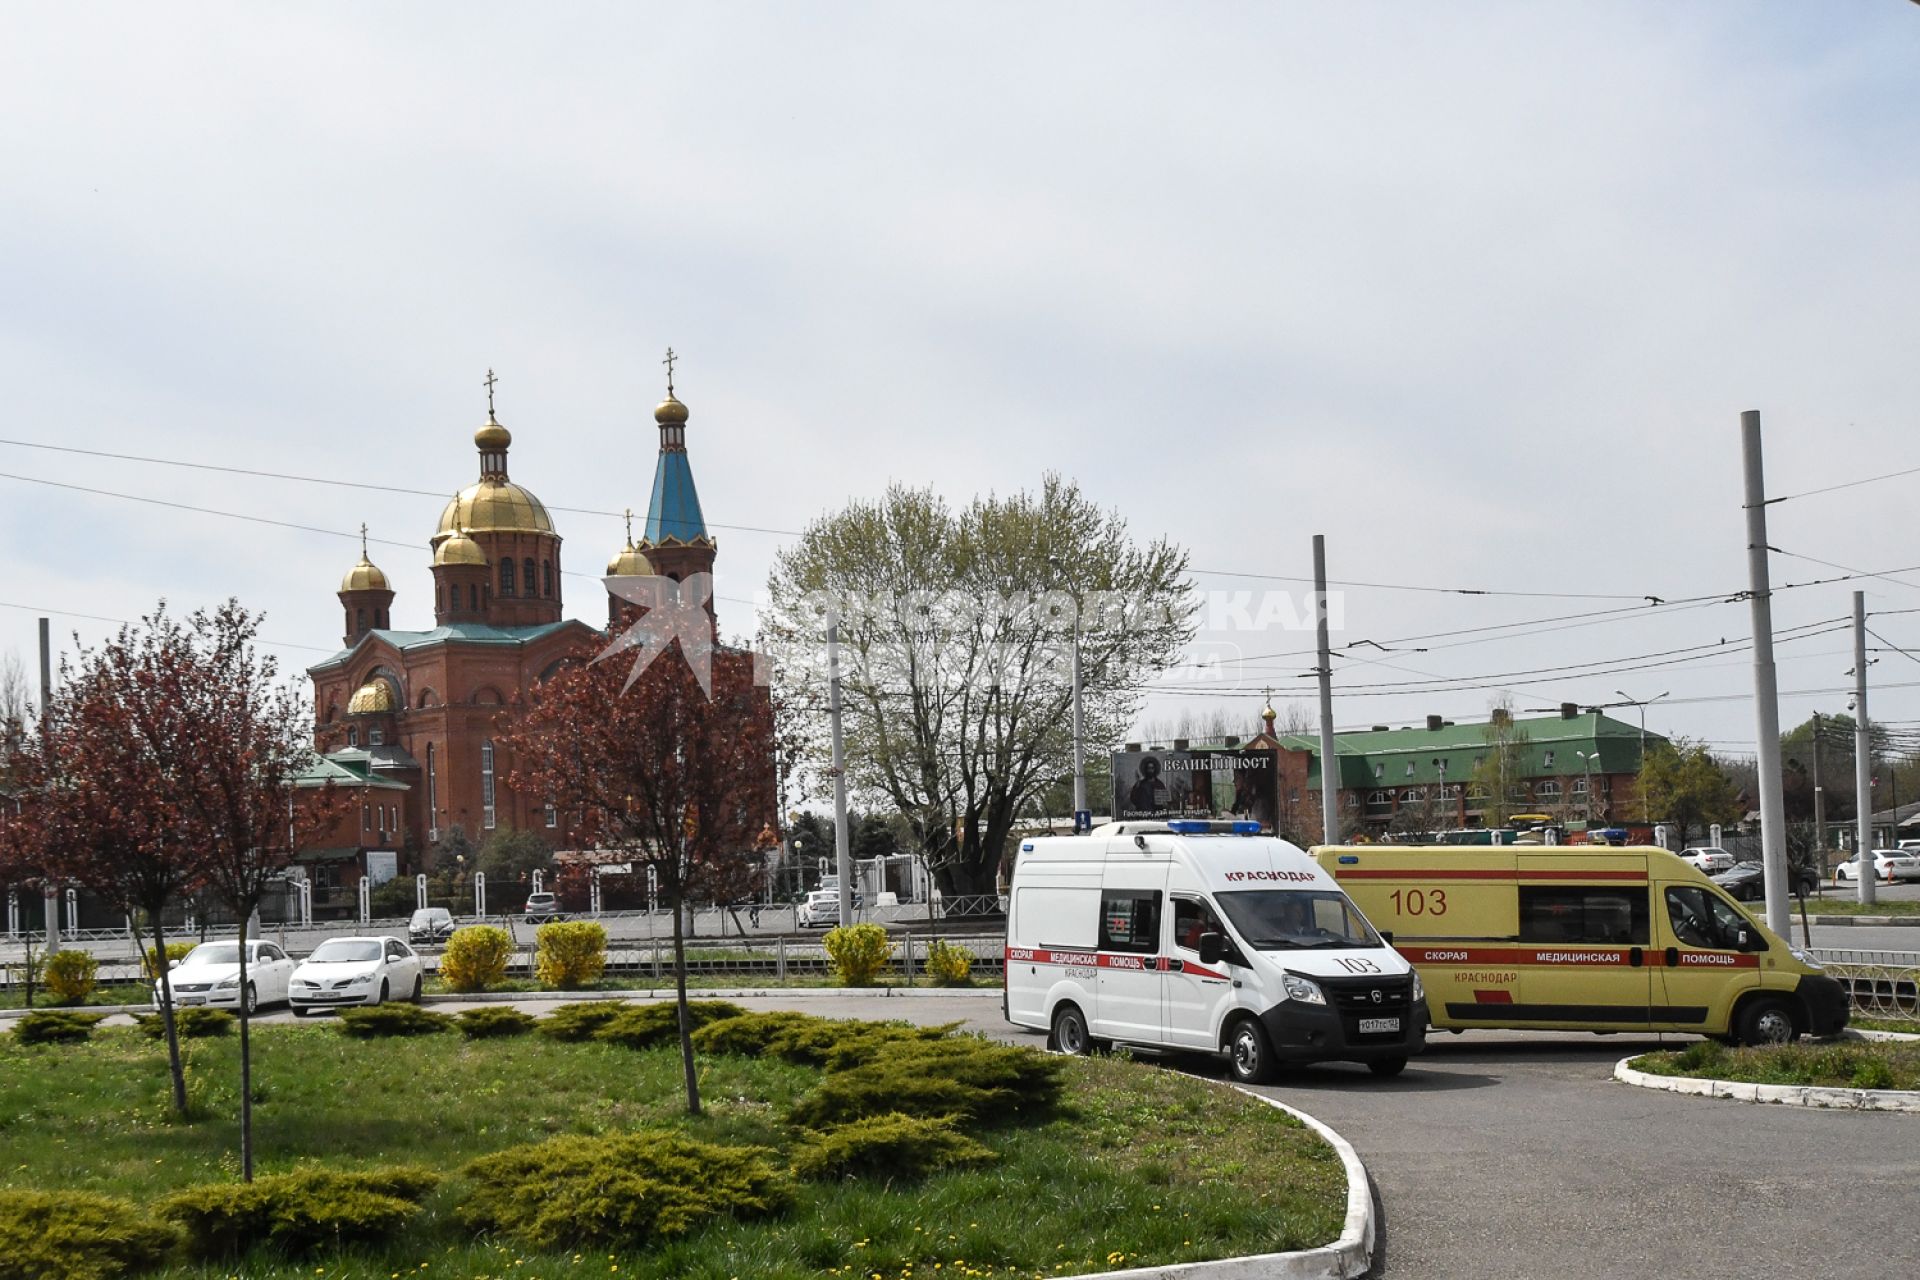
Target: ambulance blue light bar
{"type": "Point", "coordinates": [1202, 827]}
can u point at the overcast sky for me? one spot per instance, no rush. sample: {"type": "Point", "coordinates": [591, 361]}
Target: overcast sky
{"type": "Point", "coordinates": [1477, 290]}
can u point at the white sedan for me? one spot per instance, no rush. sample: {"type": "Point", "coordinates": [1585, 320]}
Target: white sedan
{"type": "Point", "coordinates": [356, 971]}
{"type": "Point", "coordinates": [210, 975]}
{"type": "Point", "coordinates": [1888, 865]}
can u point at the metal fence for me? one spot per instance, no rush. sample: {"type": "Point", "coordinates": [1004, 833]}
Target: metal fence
{"type": "Point", "coordinates": [1883, 984]}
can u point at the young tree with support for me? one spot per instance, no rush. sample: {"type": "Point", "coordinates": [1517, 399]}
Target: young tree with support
{"type": "Point", "coordinates": [236, 791]}
{"type": "Point", "coordinates": [662, 773]}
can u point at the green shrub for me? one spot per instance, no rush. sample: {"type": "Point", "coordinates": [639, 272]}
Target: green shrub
{"type": "Point", "coordinates": [1701, 1056]}
{"type": "Point", "coordinates": [578, 1021]}
{"type": "Point", "coordinates": [1871, 1073]}
{"type": "Point", "coordinates": [392, 1020]}
{"type": "Point", "coordinates": [571, 954]}
{"type": "Point", "coordinates": [391, 898]}
{"type": "Point", "coordinates": [190, 1024]}
{"type": "Point", "coordinates": [892, 1146]}
{"type": "Point", "coordinates": [175, 951]}
{"type": "Point", "coordinates": [491, 1023]}
{"type": "Point", "coordinates": [807, 1040]}
{"type": "Point", "coordinates": [77, 1235]}
{"type": "Point", "coordinates": [960, 1076]}
{"type": "Point", "coordinates": [476, 958]}
{"type": "Point", "coordinates": [641, 1026]}
{"type": "Point", "coordinates": [859, 952]}
{"type": "Point", "coordinates": [55, 1026]}
{"type": "Point", "coordinates": [949, 964]}
{"type": "Point", "coordinates": [298, 1212]}
{"type": "Point", "coordinates": [71, 976]}
{"type": "Point", "coordinates": [626, 1190]}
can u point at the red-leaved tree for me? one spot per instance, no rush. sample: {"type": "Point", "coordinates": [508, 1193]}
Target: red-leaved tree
{"type": "Point", "coordinates": [660, 774]}
{"type": "Point", "coordinates": [107, 808]}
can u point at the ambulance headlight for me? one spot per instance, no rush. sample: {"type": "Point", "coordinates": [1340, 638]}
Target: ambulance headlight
{"type": "Point", "coordinates": [1305, 990]}
{"type": "Point", "coordinates": [1806, 958]}
{"type": "Point", "coordinates": [1419, 991]}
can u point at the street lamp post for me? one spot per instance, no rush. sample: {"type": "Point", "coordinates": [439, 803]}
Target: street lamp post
{"type": "Point", "coordinates": [1586, 759]}
{"type": "Point", "coordinates": [1635, 702]}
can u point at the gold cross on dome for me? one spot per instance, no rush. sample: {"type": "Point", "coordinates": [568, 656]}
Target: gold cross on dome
{"type": "Point", "coordinates": [490, 380]}
{"type": "Point", "coordinates": [363, 539]}
{"type": "Point", "coordinates": [629, 526]}
{"type": "Point", "coordinates": [669, 362]}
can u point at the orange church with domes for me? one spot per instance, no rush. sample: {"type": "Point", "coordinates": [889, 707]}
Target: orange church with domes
{"type": "Point", "coordinates": [418, 715]}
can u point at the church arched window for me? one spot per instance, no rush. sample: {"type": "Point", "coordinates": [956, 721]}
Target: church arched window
{"type": "Point", "coordinates": [506, 575]}
{"type": "Point", "coordinates": [359, 621]}
{"type": "Point", "coordinates": [487, 810]}
{"type": "Point", "coordinates": [532, 583]}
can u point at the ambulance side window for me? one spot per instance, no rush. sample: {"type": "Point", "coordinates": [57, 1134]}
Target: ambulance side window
{"type": "Point", "coordinates": [1130, 920]}
{"type": "Point", "coordinates": [1586, 915]}
{"type": "Point", "coordinates": [1191, 918]}
{"type": "Point", "coordinates": [1702, 919]}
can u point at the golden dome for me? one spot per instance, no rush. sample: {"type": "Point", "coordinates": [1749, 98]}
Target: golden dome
{"type": "Point", "coordinates": [365, 577]}
{"type": "Point", "coordinates": [459, 549]}
{"type": "Point", "coordinates": [372, 698]}
{"type": "Point", "coordinates": [630, 563]}
{"type": "Point", "coordinates": [669, 411]}
{"type": "Point", "coordinates": [493, 435]}
{"type": "Point", "coordinates": [493, 506]}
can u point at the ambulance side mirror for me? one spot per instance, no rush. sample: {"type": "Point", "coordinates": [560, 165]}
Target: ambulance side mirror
{"type": "Point", "coordinates": [1213, 948]}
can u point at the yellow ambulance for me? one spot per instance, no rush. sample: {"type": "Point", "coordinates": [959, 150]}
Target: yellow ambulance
{"type": "Point", "coordinates": [1580, 938]}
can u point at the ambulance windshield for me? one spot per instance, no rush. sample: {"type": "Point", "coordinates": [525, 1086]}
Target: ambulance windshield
{"type": "Point", "coordinates": [1297, 920]}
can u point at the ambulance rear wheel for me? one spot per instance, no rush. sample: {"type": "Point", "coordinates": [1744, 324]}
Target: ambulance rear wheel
{"type": "Point", "coordinates": [1249, 1054]}
{"type": "Point", "coordinates": [1070, 1031]}
{"type": "Point", "coordinates": [1387, 1067]}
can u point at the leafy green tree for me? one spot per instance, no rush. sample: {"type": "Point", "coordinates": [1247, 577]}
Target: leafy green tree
{"type": "Point", "coordinates": [1500, 772]}
{"type": "Point", "coordinates": [510, 856]}
{"type": "Point", "coordinates": [1685, 787]}
{"type": "Point", "coordinates": [956, 633]}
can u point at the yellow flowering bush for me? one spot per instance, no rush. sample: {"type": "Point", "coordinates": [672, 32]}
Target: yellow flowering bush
{"type": "Point", "coordinates": [859, 952]}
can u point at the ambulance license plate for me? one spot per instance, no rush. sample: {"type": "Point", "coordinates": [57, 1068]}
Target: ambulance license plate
{"type": "Point", "coordinates": [1378, 1026]}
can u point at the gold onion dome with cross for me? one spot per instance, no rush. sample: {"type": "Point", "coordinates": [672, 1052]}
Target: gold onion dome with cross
{"type": "Point", "coordinates": [365, 576]}
{"type": "Point", "coordinates": [494, 504]}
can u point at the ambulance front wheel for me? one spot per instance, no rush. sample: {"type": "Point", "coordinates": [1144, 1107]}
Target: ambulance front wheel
{"type": "Point", "coordinates": [1070, 1033]}
{"type": "Point", "coordinates": [1249, 1053]}
{"type": "Point", "coordinates": [1765, 1021]}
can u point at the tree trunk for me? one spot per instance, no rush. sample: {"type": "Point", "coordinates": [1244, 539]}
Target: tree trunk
{"type": "Point", "coordinates": [680, 991]}
{"type": "Point", "coordinates": [163, 977]}
{"type": "Point", "coordinates": [246, 1062]}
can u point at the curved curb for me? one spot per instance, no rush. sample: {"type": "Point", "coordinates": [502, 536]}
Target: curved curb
{"type": "Point", "coordinates": [1789, 1095]}
{"type": "Point", "coordinates": [1349, 1256]}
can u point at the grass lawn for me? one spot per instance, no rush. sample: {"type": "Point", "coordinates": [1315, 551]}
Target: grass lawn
{"type": "Point", "coordinates": [1834, 905]}
{"type": "Point", "coordinates": [1843, 1065]}
{"type": "Point", "coordinates": [1143, 1166]}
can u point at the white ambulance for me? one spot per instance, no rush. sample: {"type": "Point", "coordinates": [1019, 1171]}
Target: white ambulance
{"type": "Point", "coordinates": [1203, 936]}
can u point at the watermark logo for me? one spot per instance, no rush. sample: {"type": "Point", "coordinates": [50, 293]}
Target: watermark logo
{"type": "Point", "coordinates": [671, 611]}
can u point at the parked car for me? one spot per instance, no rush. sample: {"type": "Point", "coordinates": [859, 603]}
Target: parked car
{"type": "Point", "coordinates": [542, 907]}
{"type": "Point", "coordinates": [1888, 865]}
{"type": "Point", "coordinates": [210, 975]}
{"type": "Point", "coordinates": [821, 910]}
{"type": "Point", "coordinates": [430, 924]}
{"type": "Point", "coordinates": [1709, 858]}
{"type": "Point", "coordinates": [1746, 881]}
{"type": "Point", "coordinates": [355, 971]}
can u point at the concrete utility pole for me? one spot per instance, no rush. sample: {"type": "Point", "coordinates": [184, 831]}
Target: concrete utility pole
{"type": "Point", "coordinates": [1766, 696]}
{"type": "Point", "coordinates": [1082, 818]}
{"type": "Point", "coordinates": [1819, 801]}
{"type": "Point", "coordinates": [842, 855]}
{"type": "Point", "coordinates": [46, 722]}
{"type": "Point", "coordinates": [1863, 867]}
{"type": "Point", "coordinates": [1329, 762]}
